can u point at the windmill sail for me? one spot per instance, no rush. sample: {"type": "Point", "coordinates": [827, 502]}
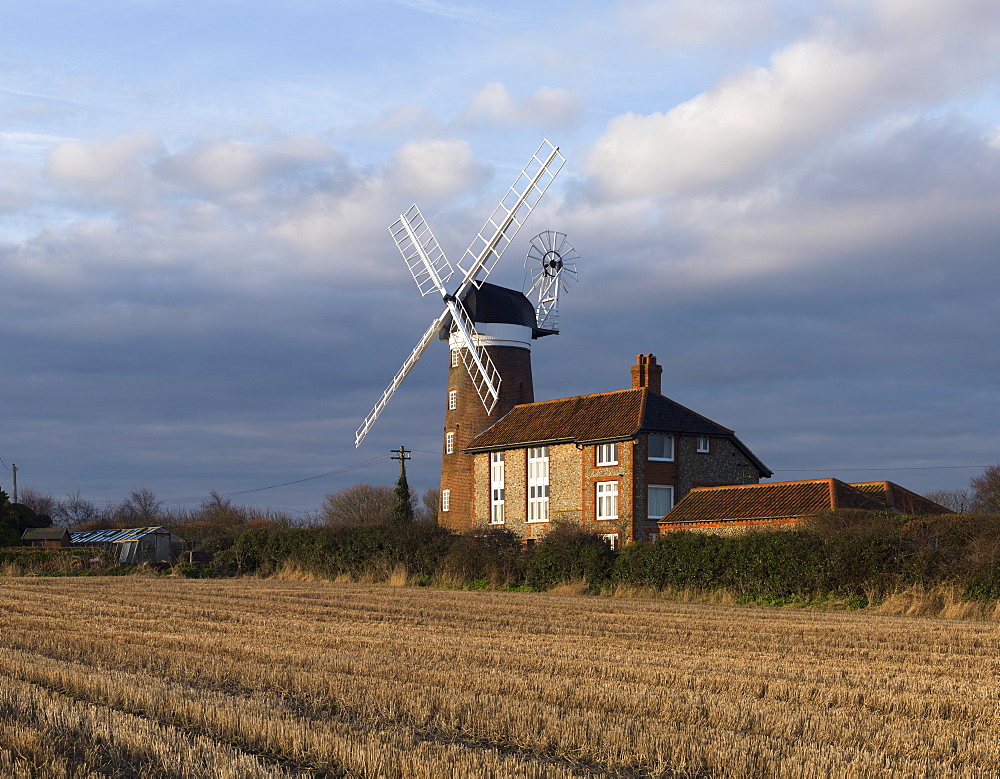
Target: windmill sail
{"type": "Point", "coordinates": [416, 354]}
{"type": "Point", "coordinates": [423, 256]}
{"type": "Point", "coordinates": [509, 215]}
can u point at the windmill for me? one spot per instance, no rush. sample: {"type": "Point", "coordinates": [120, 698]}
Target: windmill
{"type": "Point", "coordinates": [488, 328]}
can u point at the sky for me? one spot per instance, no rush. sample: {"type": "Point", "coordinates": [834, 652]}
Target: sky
{"type": "Point", "coordinates": [792, 204]}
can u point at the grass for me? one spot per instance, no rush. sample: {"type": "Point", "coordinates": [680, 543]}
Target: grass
{"type": "Point", "coordinates": [165, 676]}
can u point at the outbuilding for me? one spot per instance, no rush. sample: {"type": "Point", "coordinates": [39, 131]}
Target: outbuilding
{"type": "Point", "coordinates": [134, 545]}
{"type": "Point", "coordinates": [46, 537]}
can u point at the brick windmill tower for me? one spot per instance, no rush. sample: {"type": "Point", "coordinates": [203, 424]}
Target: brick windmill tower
{"type": "Point", "coordinates": [489, 329]}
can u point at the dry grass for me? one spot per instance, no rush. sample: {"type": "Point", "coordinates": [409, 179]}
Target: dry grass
{"type": "Point", "coordinates": [168, 677]}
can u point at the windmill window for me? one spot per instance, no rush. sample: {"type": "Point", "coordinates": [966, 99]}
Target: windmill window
{"type": "Point", "coordinates": [704, 444]}
{"type": "Point", "coordinates": [538, 484]}
{"type": "Point", "coordinates": [607, 454]}
{"type": "Point", "coordinates": [445, 500]}
{"type": "Point", "coordinates": [661, 500]}
{"type": "Point", "coordinates": [449, 443]}
{"type": "Point", "coordinates": [661, 447]}
{"type": "Point", "coordinates": [607, 500]}
{"type": "Point", "coordinates": [454, 358]}
{"type": "Point", "coordinates": [497, 488]}
{"type": "Point", "coordinates": [453, 400]}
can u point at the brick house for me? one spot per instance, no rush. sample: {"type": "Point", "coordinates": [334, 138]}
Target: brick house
{"type": "Point", "coordinates": [613, 462]}
{"type": "Point", "coordinates": [787, 504]}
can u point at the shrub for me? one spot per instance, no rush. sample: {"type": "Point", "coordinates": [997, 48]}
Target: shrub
{"type": "Point", "coordinates": [492, 556]}
{"type": "Point", "coordinates": [568, 553]}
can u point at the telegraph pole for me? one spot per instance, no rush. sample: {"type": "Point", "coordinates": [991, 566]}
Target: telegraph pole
{"type": "Point", "coordinates": [13, 471]}
{"type": "Point", "coordinates": [402, 454]}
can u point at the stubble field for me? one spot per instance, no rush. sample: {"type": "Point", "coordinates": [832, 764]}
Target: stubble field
{"type": "Point", "coordinates": [247, 678]}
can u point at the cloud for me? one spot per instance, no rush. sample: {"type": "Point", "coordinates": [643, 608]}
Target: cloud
{"type": "Point", "coordinates": [403, 120]}
{"type": "Point", "coordinates": [677, 23]}
{"type": "Point", "coordinates": [437, 169]}
{"type": "Point", "coordinates": [837, 81]}
{"type": "Point", "coordinates": [546, 107]}
{"type": "Point", "coordinates": [228, 166]}
{"type": "Point", "coordinates": [99, 163]}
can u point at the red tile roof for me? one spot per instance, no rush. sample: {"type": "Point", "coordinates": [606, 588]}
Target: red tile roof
{"type": "Point", "coordinates": [782, 502]}
{"type": "Point", "coordinates": [901, 499]}
{"type": "Point", "coordinates": [607, 416]}
{"type": "Point", "coordinates": [768, 501]}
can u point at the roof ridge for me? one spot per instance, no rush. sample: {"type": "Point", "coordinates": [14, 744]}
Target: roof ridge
{"type": "Point", "coordinates": [574, 397]}
{"type": "Point", "coordinates": [762, 484]}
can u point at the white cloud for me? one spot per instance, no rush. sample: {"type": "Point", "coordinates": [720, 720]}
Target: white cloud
{"type": "Point", "coordinates": [547, 107]}
{"type": "Point", "coordinates": [682, 23]}
{"type": "Point", "coordinates": [437, 168]}
{"type": "Point", "coordinates": [99, 163]}
{"type": "Point", "coordinates": [227, 166]}
{"type": "Point", "coordinates": [829, 84]}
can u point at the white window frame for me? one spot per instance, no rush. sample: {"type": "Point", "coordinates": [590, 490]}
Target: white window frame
{"type": "Point", "coordinates": [611, 539]}
{"type": "Point", "coordinates": [649, 444]}
{"type": "Point", "coordinates": [497, 488]}
{"type": "Point", "coordinates": [449, 443]}
{"type": "Point", "coordinates": [538, 484]}
{"type": "Point", "coordinates": [445, 500]}
{"type": "Point", "coordinates": [607, 454]}
{"type": "Point", "coordinates": [454, 358]}
{"type": "Point", "coordinates": [704, 444]}
{"type": "Point", "coordinates": [452, 400]}
{"type": "Point", "coordinates": [650, 514]}
{"type": "Point", "coordinates": [606, 500]}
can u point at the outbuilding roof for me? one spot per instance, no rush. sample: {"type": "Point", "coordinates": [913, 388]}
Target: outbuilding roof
{"type": "Point", "coordinates": [621, 415]}
{"type": "Point", "coordinates": [115, 535]}
{"type": "Point", "coordinates": [900, 499]}
{"type": "Point", "coordinates": [44, 534]}
{"type": "Point", "coordinates": [790, 500]}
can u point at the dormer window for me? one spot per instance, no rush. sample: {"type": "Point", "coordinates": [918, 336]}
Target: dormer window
{"type": "Point", "coordinates": [661, 447]}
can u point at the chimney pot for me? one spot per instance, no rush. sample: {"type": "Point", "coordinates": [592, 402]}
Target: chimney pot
{"type": "Point", "coordinates": [646, 373]}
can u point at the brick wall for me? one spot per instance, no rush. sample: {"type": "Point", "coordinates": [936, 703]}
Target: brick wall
{"type": "Point", "coordinates": [574, 473]}
{"type": "Point", "coordinates": [724, 464]}
{"type": "Point", "coordinates": [469, 419]}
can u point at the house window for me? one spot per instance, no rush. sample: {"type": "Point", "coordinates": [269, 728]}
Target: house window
{"type": "Point", "coordinates": [496, 488]}
{"type": "Point", "coordinates": [607, 500]}
{"type": "Point", "coordinates": [661, 500]}
{"type": "Point", "coordinates": [661, 447]}
{"type": "Point", "coordinates": [607, 454]}
{"type": "Point", "coordinates": [538, 484]}
{"type": "Point", "coordinates": [611, 539]}
{"type": "Point", "coordinates": [454, 358]}
{"type": "Point", "coordinates": [445, 500]}
{"type": "Point", "coordinates": [453, 400]}
{"type": "Point", "coordinates": [449, 443]}
{"type": "Point", "coordinates": [703, 445]}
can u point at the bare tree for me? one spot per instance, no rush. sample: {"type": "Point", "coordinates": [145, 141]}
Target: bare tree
{"type": "Point", "coordinates": [141, 507]}
{"type": "Point", "coordinates": [362, 504]}
{"type": "Point", "coordinates": [75, 510]}
{"type": "Point", "coordinates": [38, 501]}
{"type": "Point", "coordinates": [959, 501]}
{"type": "Point", "coordinates": [431, 501]}
{"type": "Point", "coordinates": [986, 489]}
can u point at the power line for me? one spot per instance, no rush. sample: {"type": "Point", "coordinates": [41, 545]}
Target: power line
{"type": "Point", "coordinates": [338, 471]}
{"type": "Point", "coordinates": [892, 468]}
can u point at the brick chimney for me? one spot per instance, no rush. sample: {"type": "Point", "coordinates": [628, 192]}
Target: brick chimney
{"type": "Point", "coordinates": [646, 373]}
